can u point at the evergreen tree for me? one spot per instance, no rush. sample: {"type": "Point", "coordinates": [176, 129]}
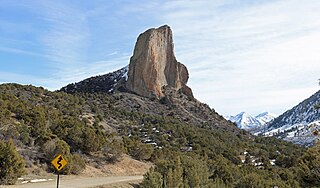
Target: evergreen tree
{"type": "Point", "coordinates": [152, 179]}
{"type": "Point", "coordinates": [174, 175]}
{"type": "Point", "coordinates": [55, 147]}
{"type": "Point", "coordinates": [310, 166]}
{"type": "Point", "coordinates": [12, 164]}
{"type": "Point", "coordinates": [177, 173]}
{"type": "Point", "coordinates": [195, 172]}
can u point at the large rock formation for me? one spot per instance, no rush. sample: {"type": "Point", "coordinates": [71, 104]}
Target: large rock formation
{"type": "Point", "coordinates": [153, 66]}
{"type": "Point", "coordinates": [153, 70]}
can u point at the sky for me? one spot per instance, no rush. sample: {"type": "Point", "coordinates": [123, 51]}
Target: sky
{"type": "Point", "coordinates": [242, 55]}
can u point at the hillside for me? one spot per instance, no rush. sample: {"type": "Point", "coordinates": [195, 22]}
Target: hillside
{"type": "Point", "coordinates": [110, 127]}
{"type": "Point", "coordinates": [298, 124]}
{"type": "Point", "coordinates": [104, 83]}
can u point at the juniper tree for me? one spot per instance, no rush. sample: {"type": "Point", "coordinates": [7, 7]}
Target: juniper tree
{"type": "Point", "coordinates": [11, 162]}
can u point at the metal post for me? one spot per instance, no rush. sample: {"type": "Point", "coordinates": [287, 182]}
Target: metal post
{"type": "Point", "coordinates": [58, 180]}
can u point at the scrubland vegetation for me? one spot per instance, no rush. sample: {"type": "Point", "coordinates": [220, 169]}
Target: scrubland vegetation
{"type": "Point", "coordinates": [36, 125]}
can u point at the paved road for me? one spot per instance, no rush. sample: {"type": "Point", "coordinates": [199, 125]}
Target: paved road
{"type": "Point", "coordinates": [78, 182]}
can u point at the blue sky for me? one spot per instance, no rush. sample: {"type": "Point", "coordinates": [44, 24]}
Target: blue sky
{"type": "Point", "coordinates": [242, 55]}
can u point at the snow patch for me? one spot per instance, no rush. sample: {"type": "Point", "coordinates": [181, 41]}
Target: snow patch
{"type": "Point", "coordinates": [38, 180]}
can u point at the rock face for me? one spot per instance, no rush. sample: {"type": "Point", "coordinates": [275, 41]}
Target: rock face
{"type": "Point", "coordinates": [153, 66]}
{"type": "Point", "coordinates": [153, 70]}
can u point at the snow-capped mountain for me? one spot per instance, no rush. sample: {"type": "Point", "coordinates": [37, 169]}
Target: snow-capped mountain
{"type": "Point", "coordinates": [298, 124]}
{"type": "Point", "coordinates": [265, 117]}
{"type": "Point", "coordinates": [248, 122]}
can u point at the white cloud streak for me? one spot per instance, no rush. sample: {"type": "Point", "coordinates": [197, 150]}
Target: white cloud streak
{"type": "Point", "coordinates": [20, 51]}
{"type": "Point", "coordinates": [66, 41]}
{"type": "Point", "coordinates": [67, 34]}
{"type": "Point", "coordinates": [242, 55]}
{"type": "Point", "coordinates": [248, 51]}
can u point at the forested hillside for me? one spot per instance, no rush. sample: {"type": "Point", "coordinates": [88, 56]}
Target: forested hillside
{"type": "Point", "coordinates": [172, 133]}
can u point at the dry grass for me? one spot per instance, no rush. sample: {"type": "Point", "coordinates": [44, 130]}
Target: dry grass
{"type": "Point", "coordinates": [125, 167]}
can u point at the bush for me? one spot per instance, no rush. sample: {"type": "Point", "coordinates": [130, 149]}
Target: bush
{"type": "Point", "coordinates": [138, 150]}
{"type": "Point", "coordinates": [11, 162]}
{"type": "Point", "coordinates": [113, 151]}
{"type": "Point", "coordinates": [79, 164]}
{"type": "Point", "coordinates": [310, 167]}
{"type": "Point", "coordinates": [53, 148]}
{"type": "Point", "coordinates": [152, 179]}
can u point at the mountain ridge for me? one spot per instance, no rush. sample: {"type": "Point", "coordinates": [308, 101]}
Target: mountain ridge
{"type": "Point", "coordinates": [106, 83]}
{"type": "Point", "coordinates": [249, 123]}
{"type": "Point", "coordinates": [296, 124]}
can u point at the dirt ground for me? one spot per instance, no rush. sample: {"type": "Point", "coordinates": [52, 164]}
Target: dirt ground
{"type": "Point", "coordinates": [126, 173]}
{"type": "Point", "coordinates": [125, 167]}
{"type": "Point", "coordinates": [84, 182]}
{"type": "Point", "coordinates": [130, 184]}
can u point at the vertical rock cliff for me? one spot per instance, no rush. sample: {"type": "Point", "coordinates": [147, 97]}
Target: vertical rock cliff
{"type": "Point", "coordinates": [153, 66]}
{"type": "Point", "coordinates": [152, 71]}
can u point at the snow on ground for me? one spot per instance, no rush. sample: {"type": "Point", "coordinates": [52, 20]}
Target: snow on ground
{"type": "Point", "coordinates": [302, 133]}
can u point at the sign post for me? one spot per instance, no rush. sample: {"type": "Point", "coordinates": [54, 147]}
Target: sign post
{"type": "Point", "coordinates": [59, 162]}
{"type": "Point", "coordinates": [58, 180]}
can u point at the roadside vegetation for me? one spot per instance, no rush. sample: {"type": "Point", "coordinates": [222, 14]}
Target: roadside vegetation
{"type": "Point", "coordinates": [40, 124]}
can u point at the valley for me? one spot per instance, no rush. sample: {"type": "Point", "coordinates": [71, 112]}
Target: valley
{"type": "Point", "coordinates": [144, 116]}
{"type": "Point", "coordinates": [299, 125]}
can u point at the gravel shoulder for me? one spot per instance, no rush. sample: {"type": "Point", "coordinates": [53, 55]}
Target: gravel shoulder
{"type": "Point", "coordinates": [83, 182]}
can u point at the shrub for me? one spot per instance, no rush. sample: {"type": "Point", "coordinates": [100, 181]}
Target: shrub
{"type": "Point", "coordinates": [54, 147]}
{"type": "Point", "coordinates": [310, 166]}
{"type": "Point", "coordinates": [152, 179]}
{"type": "Point", "coordinates": [138, 150]}
{"type": "Point", "coordinates": [79, 164]}
{"type": "Point", "coordinates": [113, 151]}
{"type": "Point", "coordinates": [11, 162]}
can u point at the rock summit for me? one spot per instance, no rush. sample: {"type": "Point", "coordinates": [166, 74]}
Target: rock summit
{"type": "Point", "coordinates": [154, 67]}
{"type": "Point", "coordinates": [152, 72]}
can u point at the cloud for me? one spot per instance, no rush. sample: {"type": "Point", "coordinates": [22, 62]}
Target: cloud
{"type": "Point", "coordinates": [242, 55]}
{"type": "Point", "coordinates": [20, 51]}
{"type": "Point", "coordinates": [48, 83]}
{"type": "Point", "coordinates": [244, 50]}
{"type": "Point", "coordinates": [66, 35]}
{"type": "Point", "coordinates": [93, 69]}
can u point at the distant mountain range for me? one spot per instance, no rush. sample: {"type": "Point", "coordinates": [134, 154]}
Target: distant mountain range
{"type": "Point", "coordinates": [248, 122]}
{"type": "Point", "coordinates": [298, 125]}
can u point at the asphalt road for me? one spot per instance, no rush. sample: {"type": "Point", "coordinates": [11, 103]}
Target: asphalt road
{"type": "Point", "coordinates": [78, 182]}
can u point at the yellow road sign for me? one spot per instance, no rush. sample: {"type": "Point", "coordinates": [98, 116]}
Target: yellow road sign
{"type": "Point", "coordinates": [59, 162]}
